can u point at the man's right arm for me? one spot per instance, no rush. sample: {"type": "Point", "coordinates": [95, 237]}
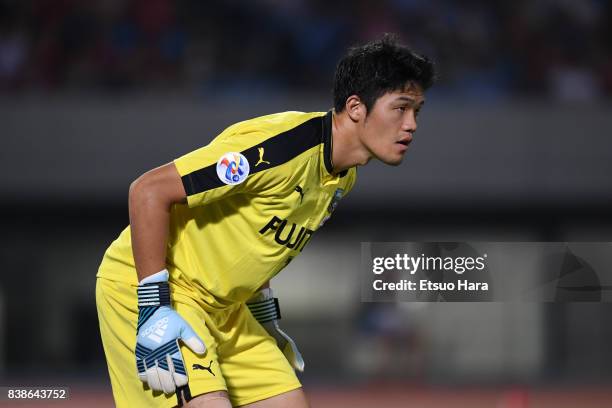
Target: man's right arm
{"type": "Point", "coordinates": [159, 360]}
{"type": "Point", "coordinates": [150, 199]}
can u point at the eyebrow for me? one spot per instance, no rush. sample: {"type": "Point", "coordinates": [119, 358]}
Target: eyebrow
{"type": "Point", "coordinates": [411, 100]}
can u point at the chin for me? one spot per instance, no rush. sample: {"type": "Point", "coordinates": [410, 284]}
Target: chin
{"type": "Point", "coordinates": [395, 161]}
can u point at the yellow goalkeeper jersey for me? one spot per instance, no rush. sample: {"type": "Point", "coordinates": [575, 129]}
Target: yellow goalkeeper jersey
{"type": "Point", "coordinates": [255, 196]}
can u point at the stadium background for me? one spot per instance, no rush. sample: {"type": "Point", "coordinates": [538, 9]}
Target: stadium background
{"type": "Point", "coordinates": [514, 145]}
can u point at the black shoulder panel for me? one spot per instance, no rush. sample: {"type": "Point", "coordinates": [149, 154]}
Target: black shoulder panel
{"type": "Point", "coordinates": [277, 150]}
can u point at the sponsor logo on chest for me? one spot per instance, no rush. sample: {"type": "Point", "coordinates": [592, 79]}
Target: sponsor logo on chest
{"type": "Point", "coordinates": [286, 233]}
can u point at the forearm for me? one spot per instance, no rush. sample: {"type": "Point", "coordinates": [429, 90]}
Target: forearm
{"type": "Point", "coordinates": [150, 199]}
{"type": "Point", "coordinates": [149, 220]}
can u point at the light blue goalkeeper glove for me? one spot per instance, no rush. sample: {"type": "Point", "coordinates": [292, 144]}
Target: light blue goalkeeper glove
{"type": "Point", "coordinates": [264, 307]}
{"type": "Point", "coordinates": [158, 357]}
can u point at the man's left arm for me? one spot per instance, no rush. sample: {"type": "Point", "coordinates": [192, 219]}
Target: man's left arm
{"type": "Point", "coordinates": [265, 308]}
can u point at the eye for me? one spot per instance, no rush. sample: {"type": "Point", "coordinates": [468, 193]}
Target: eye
{"type": "Point", "coordinates": [401, 109]}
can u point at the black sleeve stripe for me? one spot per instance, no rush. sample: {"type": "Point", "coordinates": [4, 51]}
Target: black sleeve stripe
{"type": "Point", "coordinates": [279, 149]}
{"type": "Point", "coordinates": [202, 180]}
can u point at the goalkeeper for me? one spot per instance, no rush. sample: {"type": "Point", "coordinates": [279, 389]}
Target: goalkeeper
{"type": "Point", "coordinates": [186, 314]}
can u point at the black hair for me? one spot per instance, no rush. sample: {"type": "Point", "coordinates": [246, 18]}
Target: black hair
{"type": "Point", "coordinates": [371, 70]}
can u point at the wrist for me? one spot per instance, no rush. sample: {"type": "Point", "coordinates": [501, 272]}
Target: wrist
{"type": "Point", "coordinates": [161, 276]}
{"type": "Point", "coordinates": [264, 306]}
{"type": "Point", "coordinates": [154, 290]}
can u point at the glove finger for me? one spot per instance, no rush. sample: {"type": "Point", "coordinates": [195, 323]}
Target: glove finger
{"type": "Point", "coordinates": [177, 368]}
{"type": "Point", "coordinates": [153, 378]}
{"type": "Point", "coordinates": [142, 369]}
{"type": "Point", "coordinates": [165, 376]}
{"type": "Point", "coordinates": [192, 340]}
{"type": "Point", "coordinates": [291, 351]}
{"type": "Point", "coordinates": [276, 333]}
{"type": "Point", "coordinates": [294, 356]}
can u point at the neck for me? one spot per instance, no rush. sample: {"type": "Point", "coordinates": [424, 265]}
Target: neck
{"type": "Point", "coordinates": [347, 149]}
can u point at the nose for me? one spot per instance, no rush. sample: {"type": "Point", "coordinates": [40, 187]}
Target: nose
{"type": "Point", "coordinates": [410, 124]}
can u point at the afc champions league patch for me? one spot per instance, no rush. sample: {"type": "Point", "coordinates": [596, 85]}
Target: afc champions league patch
{"type": "Point", "coordinates": [334, 202]}
{"type": "Point", "coordinates": [233, 168]}
{"type": "Point", "coordinates": [332, 205]}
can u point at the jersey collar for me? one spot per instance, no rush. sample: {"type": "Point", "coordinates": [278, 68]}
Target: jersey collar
{"type": "Point", "coordinates": [328, 144]}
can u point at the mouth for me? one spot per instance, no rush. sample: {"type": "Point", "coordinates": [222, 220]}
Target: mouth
{"type": "Point", "coordinates": [405, 141]}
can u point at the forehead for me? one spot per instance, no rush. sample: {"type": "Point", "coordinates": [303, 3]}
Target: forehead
{"type": "Point", "coordinates": [410, 93]}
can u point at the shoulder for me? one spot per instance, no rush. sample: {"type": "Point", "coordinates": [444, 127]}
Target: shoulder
{"type": "Point", "coordinates": [266, 141]}
{"type": "Point", "coordinates": [271, 140]}
{"type": "Point", "coordinates": [272, 125]}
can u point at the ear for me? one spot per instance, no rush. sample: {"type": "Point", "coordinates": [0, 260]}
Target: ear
{"type": "Point", "coordinates": [355, 108]}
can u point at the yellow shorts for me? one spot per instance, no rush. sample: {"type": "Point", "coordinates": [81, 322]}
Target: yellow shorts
{"type": "Point", "coordinates": [243, 359]}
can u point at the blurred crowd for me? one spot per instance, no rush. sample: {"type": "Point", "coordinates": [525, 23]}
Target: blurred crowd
{"type": "Point", "coordinates": [558, 49]}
